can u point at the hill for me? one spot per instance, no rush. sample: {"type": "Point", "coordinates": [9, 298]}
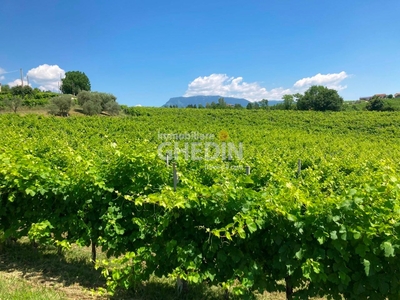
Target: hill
{"type": "Point", "coordinates": [203, 100]}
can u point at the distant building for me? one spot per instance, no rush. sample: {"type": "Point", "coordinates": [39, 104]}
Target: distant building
{"type": "Point", "coordinates": [380, 95]}
{"type": "Point", "coordinates": [0, 87]}
{"type": "Point", "coordinates": [365, 98]}
{"type": "Point", "coordinates": [397, 95]}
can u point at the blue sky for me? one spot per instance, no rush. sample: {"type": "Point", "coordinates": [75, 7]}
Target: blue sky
{"type": "Point", "coordinates": [146, 52]}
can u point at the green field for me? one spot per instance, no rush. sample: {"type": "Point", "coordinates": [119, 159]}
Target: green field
{"type": "Point", "coordinates": [317, 215]}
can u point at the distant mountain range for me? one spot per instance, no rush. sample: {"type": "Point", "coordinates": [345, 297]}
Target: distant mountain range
{"type": "Point", "coordinates": [203, 100]}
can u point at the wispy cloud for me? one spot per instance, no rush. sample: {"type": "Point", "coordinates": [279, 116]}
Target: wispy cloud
{"type": "Point", "coordinates": [223, 85]}
{"type": "Point", "coordinates": [3, 71]}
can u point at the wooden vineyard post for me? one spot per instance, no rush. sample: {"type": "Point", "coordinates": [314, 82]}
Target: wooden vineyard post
{"type": "Point", "coordinates": [299, 168]}
{"type": "Point", "coordinates": [175, 175]}
{"type": "Point", "coordinates": [94, 251]}
{"type": "Point", "coordinates": [247, 170]}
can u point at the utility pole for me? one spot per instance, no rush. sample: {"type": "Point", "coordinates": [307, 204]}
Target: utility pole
{"type": "Point", "coordinates": [22, 79]}
{"type": "Point", "coordinates": [59, 84]}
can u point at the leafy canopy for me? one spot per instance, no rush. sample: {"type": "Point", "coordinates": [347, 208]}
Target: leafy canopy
{"type": "Point", "coordinates": [74, 82]}
{"type": "Point", "coordinates": [288, 102]}
{"type": "Point", "coordinates": [21, 91]}
{"type": "Point", "coordinates": [320, 98]}
{"type": "Point", "coordinates": [375, 104]}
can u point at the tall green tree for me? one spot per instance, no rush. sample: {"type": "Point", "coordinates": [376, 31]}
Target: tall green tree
{"type": "Point", "coordinates": [264, 103]}
{"type": "Point", "coordinates": [222, 103]}
{"type": "Point", "coordinates": [74, 82]}
{"type": "Point", "coordinates": [21, 91]}
{"type": "Point", "coordinates": [320, 98]}
{"type": "Point", "coordinates": [288, 101]}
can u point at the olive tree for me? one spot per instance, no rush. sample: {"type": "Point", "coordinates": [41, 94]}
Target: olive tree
{"type": "Point", "coordinates": [13, 103]}
{"type": "Point", "coordinates": [91, 108]}
{"type": "Point", "coordinates": [112, 108]}
{"type": "Point", "coordinates": [93, 103]}
{"type": "Point", "coordinates": [60, 105]}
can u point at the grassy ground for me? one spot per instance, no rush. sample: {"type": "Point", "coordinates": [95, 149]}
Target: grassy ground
{"type": "Point", "coordinates": [41, 273]}
{"type": "Point", "coordinates": [43, 111]}
{"type": "Point", "coordinates": [44, 272]}
{"type": "Point", "coordinates": [12, 287]}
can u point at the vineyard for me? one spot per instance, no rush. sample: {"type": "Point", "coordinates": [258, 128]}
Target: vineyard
{"type": "Point", "coordinates": [305, 202]}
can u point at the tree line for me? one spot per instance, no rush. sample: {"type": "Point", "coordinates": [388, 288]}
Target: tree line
{"type": "Point", "coordinates": [317, 98]}
{"type": "Point", "coordinates": [19, 96]}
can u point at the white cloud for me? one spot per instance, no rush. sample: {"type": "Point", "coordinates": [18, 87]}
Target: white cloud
{"type": "Point", "coordinates": [46, 76]}
{"type": "Point", "coordinates": [17, 82]}
{"type": "Point", "coordinates": [53, 86]}
{"type": "Point", "coordinates": [331, 81]}
{"type": "Point", "coordinates": [2, 78]}
{"type": "Point", "coordinates": [222, 85]}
